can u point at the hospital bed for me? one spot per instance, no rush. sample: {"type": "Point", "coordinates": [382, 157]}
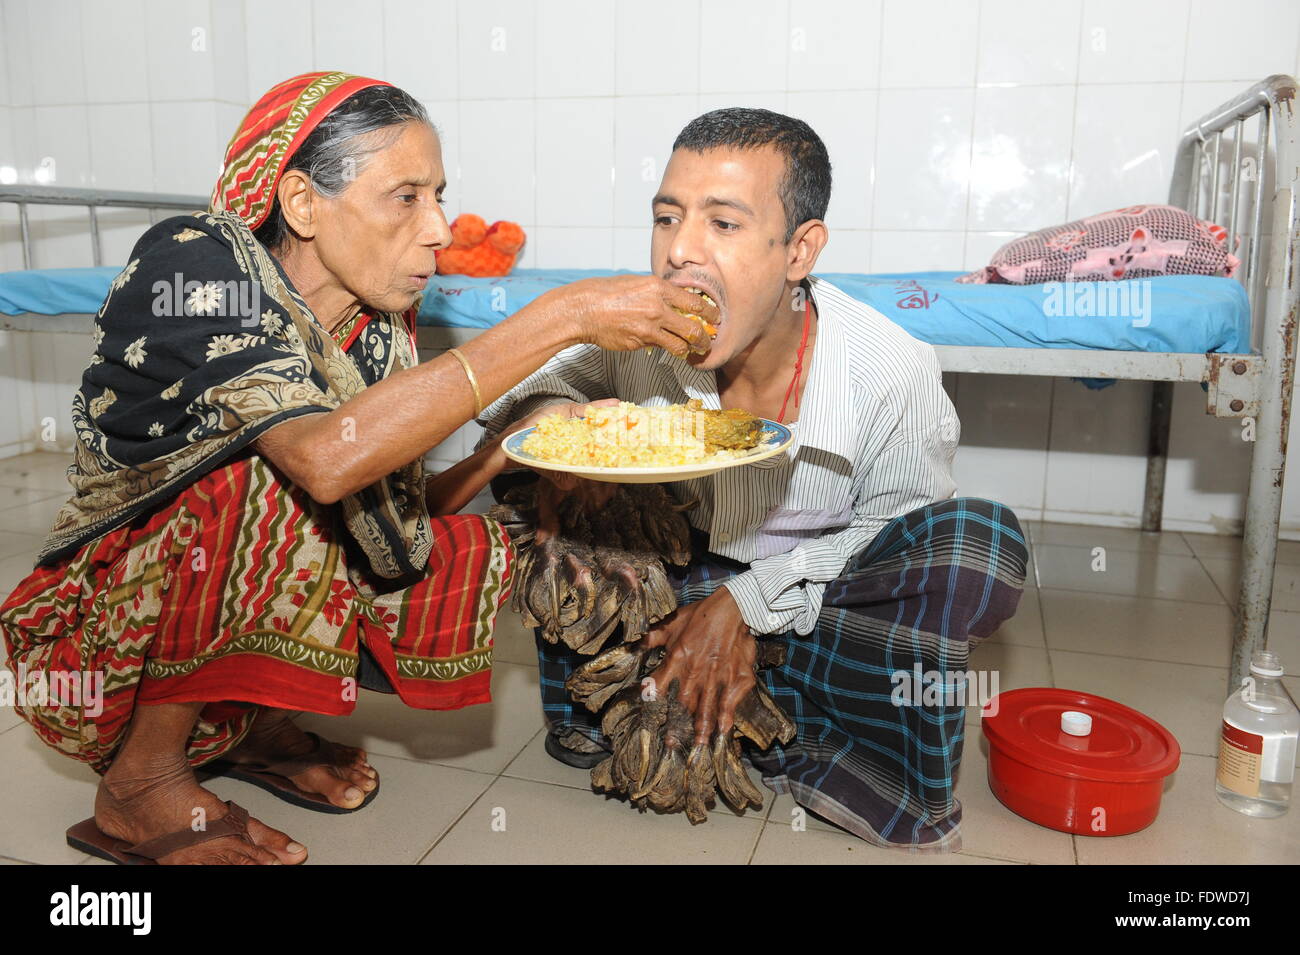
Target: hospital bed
{"type": "Point", "coordinates": [1237, 166]}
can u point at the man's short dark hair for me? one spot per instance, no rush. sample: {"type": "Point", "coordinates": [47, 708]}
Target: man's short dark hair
{"type": "Point", "coordinates": [806, 186]}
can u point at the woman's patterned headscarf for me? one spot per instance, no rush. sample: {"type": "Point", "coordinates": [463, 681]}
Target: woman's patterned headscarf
{"type": "Point", "coordinates": [269, 136]}
{"type": "Point", "coordinates": [203, 344]}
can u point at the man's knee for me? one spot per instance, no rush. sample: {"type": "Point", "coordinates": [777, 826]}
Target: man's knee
{"type": "Point", "coordinates": [969, 530]}
{"type": "Point", "coordinates": [992, 542]}
{"type": "Point", "coordinates": [979, 540]}
{"type": "Point", "coordinates": [994, 527]}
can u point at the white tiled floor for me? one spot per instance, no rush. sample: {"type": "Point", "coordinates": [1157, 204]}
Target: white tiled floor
{"type": "Point", "coordinates": [1151, 631]}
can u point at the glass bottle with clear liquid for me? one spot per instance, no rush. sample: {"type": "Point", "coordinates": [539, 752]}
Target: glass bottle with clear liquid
{"type": "Point", "coordinates": [1257, 749]}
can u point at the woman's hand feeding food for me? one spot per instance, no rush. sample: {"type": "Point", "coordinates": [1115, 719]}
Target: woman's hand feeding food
{"type": "Point", "coordinates": [626, 312]}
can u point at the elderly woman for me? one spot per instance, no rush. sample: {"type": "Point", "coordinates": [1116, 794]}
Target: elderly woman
{"type": "Point", "coordinates": [251, 531]}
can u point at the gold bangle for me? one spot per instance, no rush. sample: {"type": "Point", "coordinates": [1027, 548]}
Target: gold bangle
{"type": "Point", "coordinates": [473, 382]}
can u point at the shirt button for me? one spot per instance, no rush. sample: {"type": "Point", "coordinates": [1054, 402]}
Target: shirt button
{"type": "Point", "coordinates": [724, 537]}
{"type": "Point", "coordinates": [771, 620]}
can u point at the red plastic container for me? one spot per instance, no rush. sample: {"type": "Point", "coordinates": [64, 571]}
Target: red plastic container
{"type": "Point", "coordinates": [1107, 783]}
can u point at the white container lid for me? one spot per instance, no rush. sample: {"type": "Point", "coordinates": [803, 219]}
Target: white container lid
{"type": "Point", "coordinates": [1076, 723]}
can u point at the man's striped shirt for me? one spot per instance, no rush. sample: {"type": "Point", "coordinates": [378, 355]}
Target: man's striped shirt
{"type": "Point", "coordinates": [875, 438]}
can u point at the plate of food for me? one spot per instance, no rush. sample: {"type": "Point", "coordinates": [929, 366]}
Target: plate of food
{"type": "Point", "coordinates": [634, 444]}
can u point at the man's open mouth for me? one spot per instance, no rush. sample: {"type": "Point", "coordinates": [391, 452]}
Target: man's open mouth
{"type": "Point", "coordinates": [702, 294]}
{"type": "Point", "coordinates": [710, 327]}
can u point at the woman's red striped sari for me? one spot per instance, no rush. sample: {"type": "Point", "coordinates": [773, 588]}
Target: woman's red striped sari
{"type": "Point", "coordinates": [239, 592]}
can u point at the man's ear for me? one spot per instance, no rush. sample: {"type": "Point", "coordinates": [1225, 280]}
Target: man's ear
{"type": "Point", "coordinates": [806, 244]}
{"type": "Point", "coordinates": [297, 198]}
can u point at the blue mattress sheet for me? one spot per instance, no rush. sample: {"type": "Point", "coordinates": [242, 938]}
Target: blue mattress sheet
{"type": "Point", "coordinates": [1193, 314]}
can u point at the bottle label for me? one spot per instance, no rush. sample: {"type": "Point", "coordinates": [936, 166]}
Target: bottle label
{"type": "Point", "coordinates": [1240, 756]}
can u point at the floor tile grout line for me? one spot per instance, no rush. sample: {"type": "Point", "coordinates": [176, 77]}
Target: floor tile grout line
{"type": "Point", "coordinates": [968, 855]}
{"type": "Point", "coordinates": [457, 821]}
{"type": "Point", "coordinates": [1118, 656]}
{"type": "Point", "coordinates": [548, 782]}
{"type": "Point", "coordinates": [588, 789]}
{"type": "Point", "coordinates": [1085, 528]}
{"type": "Point", "coordinates": [429, 762]}
{"type": "Point", "coordinates": [992, 642]}
{"type": "Point", "coordinates": [1110, 593]}
{"type": "Point", "coordinates": [527, 743]}
{"type": "Point", "coordinates": [1033, 562]}
{"type": "Point", "coordinates": [433, 762]}
{"type": "Point", "coordinates": [1140, 551]}
{"type": "Point", "coordinates": [24, 482]}
{"type": "Point", "coordinates": [1042, 620]}
{"type": "Point", "coordinates": [758, 836]}
{"type": "Point", "coordinates": [494, 774]}
{"type": "Point", "coordinates": [22, 553]}
{"type": "Point", "coordinates": [1230, 604]}
{"type": "Point", "coordinates": [1126, 547]}
{"type": "Point", "coordinates": [982, 855]}
{"type": "Point", "coordinates": [772, 803]}
{"type": "Point", "coordinates": [1214, 758]}
{"type": "Point", "coordinates": [42, 495]}
{"type": "Point", "coordinates": [16, 533]}
{"type": "Point", "coordinates": [1235, 557]}
{"type": "Point", "coordinates": [1192, 550]}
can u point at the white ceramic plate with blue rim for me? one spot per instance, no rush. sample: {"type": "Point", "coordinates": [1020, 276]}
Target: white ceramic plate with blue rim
{"type": "Point", "coordinates": [774, 438]}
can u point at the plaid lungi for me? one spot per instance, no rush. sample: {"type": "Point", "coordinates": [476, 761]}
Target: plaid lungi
{"type": "Point", "coordinates": [877, 748]}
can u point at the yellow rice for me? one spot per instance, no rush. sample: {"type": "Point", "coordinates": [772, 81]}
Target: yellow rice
{"type": "Point", "coordinates": [626, 436]}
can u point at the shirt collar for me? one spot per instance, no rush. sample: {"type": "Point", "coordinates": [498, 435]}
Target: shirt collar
{"type": "Point", "coordinates": [826, 409]}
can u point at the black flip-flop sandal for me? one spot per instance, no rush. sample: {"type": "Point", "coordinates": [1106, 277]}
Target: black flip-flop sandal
{"type": "Point", "coordinates": [274, 777]}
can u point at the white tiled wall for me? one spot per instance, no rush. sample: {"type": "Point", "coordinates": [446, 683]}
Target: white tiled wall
{"type": "Point", "coordinates": [953, 125]}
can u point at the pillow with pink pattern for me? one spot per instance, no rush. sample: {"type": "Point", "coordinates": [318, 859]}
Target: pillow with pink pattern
{"type": "Point", "coordinates": [1131, 243]}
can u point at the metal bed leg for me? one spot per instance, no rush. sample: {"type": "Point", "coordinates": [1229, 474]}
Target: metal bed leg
{"type": "Point", "coordinates": [1258, 547]}
{"type": "Point", "coordinates": [1267, 463]}
{"type": "Point", "coordinates": [1153, 502]}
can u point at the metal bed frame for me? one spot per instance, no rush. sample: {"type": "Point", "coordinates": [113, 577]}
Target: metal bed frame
{"type": "Point", "coordinates": [93, 200]}
{"type": "Point", "coordinates": [1256, 385]}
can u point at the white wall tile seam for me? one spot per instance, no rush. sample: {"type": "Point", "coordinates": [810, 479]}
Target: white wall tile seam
{"type": "Point", "coordinates": [1074, 126]}
{"type": "Point", "coordinates": [970, 150]}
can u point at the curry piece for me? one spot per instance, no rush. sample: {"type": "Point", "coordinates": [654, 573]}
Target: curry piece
{"type": "Point", "coordinates": [730, 430]}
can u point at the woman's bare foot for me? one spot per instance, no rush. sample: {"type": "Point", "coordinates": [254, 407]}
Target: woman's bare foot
{"type": "Point", "coordinates": [274, 738]}
{"type": "Point", "coordinates": [137, 803]}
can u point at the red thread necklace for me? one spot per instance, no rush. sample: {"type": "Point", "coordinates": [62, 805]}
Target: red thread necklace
{"type": "Point", "coordinates": [798, 361]}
